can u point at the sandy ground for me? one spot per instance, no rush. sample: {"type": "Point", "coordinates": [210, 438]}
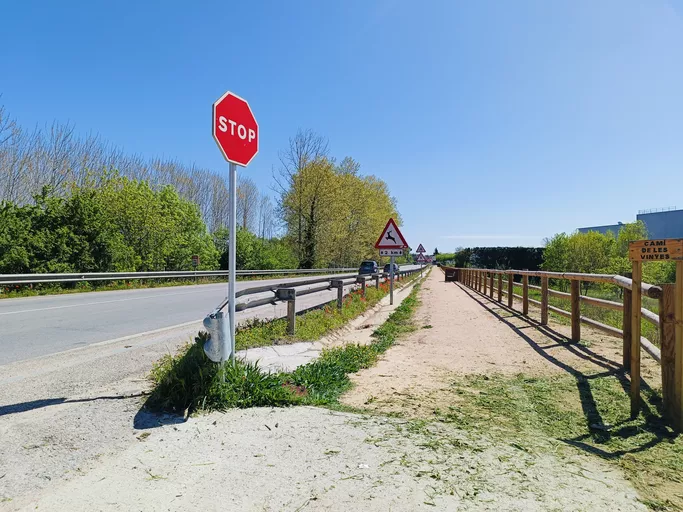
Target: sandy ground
{"type": "Point", "coordinates": [62, 415]}
{"type": "Point", "coordinates": [303, 459]}
{"type": "Point", "coordinates": [462, 332]}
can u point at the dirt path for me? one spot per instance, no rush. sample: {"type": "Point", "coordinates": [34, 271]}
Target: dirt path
{"type": "Point", "coordinates": [462, 332]}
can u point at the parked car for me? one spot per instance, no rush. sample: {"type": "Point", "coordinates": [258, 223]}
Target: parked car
{"type": "Point", "coordinates": [368, 267]}
{"type": "Point", "coordinates": [387, 268]}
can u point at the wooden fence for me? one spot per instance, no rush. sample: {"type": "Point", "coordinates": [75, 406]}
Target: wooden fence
{"type": "Point", "coordinates": [498, 283]}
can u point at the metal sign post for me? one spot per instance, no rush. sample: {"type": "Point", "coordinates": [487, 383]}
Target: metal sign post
{"type": "Point", "coordinates": [391, 281]}
{"type": "Point", "coordinates": [236, 132]}
{"type": "Point", "coordinates": [232, 261]}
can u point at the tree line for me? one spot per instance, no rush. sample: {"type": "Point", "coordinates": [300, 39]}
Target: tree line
{"type": "Point", "coordinates": [72, 203]}
{"type": "Point", "coordinates": [589, 253]}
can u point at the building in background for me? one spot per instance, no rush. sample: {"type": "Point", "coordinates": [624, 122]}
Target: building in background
{"type": "Point", "coordinates": [660, 223]}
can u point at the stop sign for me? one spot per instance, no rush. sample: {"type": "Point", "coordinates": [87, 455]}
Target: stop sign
{"type": "Point", "coordinates": [235, 129]}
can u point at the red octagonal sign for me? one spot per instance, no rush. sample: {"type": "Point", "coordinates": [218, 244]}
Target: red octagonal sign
{"type": "Point", "coordinates": [235, 129]}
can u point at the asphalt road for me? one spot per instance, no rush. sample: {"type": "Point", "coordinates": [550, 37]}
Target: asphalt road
{"type": "Point", "coordinates": [37, 326]}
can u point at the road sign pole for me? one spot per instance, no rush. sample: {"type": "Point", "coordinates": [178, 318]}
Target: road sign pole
{"type": "Point", "coordinates": [232, 260]}
{"type": "Point", "coordinates": [391, 282]}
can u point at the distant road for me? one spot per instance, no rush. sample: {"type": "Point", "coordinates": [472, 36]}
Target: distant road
{"type": "Point", "coordinates": [36, 326]}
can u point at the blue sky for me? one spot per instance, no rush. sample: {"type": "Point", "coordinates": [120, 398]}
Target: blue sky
{"type": "Point", "coordinates": [493, 122]}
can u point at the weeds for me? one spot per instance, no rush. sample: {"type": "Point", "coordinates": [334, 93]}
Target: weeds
{"type": "Point", "coordinates": [191, 381]}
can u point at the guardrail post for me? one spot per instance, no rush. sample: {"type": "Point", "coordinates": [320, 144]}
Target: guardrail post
{"type": "Point", "coordinates": [377, 281]}
{"type": "Point", "coordinates": [361, 281]}
{"type": "Point", "coordinates": [576, 310]}
{"type": "Point", "coordinates": [289, 294]}
{"type": "Point", "coordinates": [525, 295]}
{"type": "Point", "coordinates": [544, 300]}
{"type": "Point", "coordinates": [511, 281]}
{"type": "Point", "coordinates": [500, 287]}
{"type": "Point", "coordinates": [626, 355]}
{"type": "Point", "coordinates": [339, 285]}
{"type": "Point", "coordinates": [667, 338]}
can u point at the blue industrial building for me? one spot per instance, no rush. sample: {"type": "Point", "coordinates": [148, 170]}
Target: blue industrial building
{"type": "Point", "coordinates": [660, 223]}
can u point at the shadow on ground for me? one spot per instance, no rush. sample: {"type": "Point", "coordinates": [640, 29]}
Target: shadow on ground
{"type": "Point", "coordinates": [47, 402]}
{"type": "Point", "coordinates": [599, 433]}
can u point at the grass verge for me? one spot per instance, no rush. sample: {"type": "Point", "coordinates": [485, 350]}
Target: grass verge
{"type": "Point", "coordinates": [591, 414]}
{"type": "Point", "coordinates": [191, 381]}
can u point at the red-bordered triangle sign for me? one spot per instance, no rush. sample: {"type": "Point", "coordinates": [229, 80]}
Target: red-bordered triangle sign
{"type": "Point", "coordinates": [391, 237]}
{"type": "Point", "coordinates": [420, 248]}
{"type": "Point", "coordinates": [421, 258]}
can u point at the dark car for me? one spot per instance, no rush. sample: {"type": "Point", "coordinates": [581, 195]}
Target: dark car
{"type": "Point", "coordinates": [387, 268]}
{"type": "Point", "coordinates": [368, 267]}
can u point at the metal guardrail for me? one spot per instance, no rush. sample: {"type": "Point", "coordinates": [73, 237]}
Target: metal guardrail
{"type": "Point", "coordinates": [11, 279]}
{"type": "Point", "coordinates": [288, 291]}
{"type": "Point", "coordinates": [216, 321]}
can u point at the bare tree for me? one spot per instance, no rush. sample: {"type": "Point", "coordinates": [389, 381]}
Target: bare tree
{"type": "Point", "coordinates": [247, 203]}
{"type": "Point", "coordinates": [266, 224]}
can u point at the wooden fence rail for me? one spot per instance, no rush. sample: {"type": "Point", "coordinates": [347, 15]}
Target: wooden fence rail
{"type": "Point", "coordinates": [493, 282]}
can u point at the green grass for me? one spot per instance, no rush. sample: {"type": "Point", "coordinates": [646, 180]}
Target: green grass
{"type": "Point", "coordinates": [589, 413]}
{"type": "Point", "coordinates": [191, 381]}
{"type": "Point", "coordinates": [311, 325]}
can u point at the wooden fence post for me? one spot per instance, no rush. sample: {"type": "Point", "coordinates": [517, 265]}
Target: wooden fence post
{"type": "Point", "coordinates": [626, 356]}
{"type": "Point", "coordinates": [576, 310]}
{"type": "Point", "coordinates": [678, 315]}
{"type": "Point", "coordinates": [491, 285]}
{"type": "Point", "coordinates": [483, 282]}
{"type": "Point", "coordinates": [525, 295]}
{"type": "Point", "coordinates": [636, 304]}
{"type": "Point", "coordinates": [500, 287]}
{"type": "Point", "coordinates": [511, 280]}
{"type": "Point", "coordinates": [667, 339]}
{"type": "Point", "coordinates": [544, 300]}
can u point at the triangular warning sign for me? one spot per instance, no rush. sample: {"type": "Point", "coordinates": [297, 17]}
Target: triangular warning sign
{"type": "Point", "coordinates": [420, 248]}
{"type": "Point", "coordinates": [421, 258]}
{"type": "Point", "coordinates": [391, 237]}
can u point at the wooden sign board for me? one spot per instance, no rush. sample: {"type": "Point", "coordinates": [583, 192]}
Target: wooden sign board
{"type": "Point", "coordinates": [654, 250]}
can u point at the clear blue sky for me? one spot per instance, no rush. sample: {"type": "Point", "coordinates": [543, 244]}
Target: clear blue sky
{"type": "Point", "coordinates": [492, 122]}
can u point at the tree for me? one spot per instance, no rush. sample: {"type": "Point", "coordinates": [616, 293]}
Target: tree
{"type": "Point", "coordinates": [436, 251]}
{"type": "Point", "coordinates": [247, 204]}
{"type": "Point", "coordinates": [307, 150]}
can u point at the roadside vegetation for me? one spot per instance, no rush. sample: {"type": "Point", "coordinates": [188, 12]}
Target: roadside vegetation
{"type": "Point", "coordinates": [71, 203]}
{"type": "Point", "coordinates": [589, 413]}
{"type": "Point", "coordinates": [189, 381]}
